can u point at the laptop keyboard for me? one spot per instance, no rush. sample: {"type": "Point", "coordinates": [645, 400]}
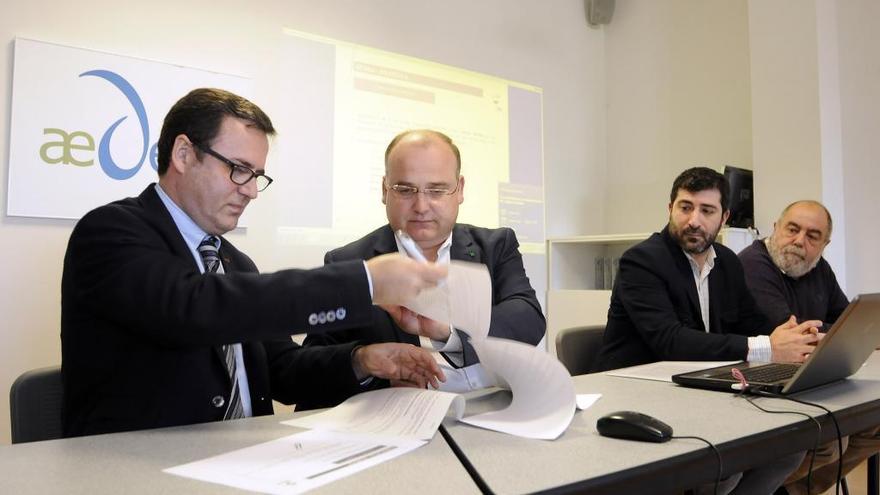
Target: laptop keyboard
{"type": "Point", "coordinates": [768, 373]}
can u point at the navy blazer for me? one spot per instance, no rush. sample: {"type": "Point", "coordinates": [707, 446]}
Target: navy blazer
{"type": "Point", "coordinates": [141, 327]}
{"type": "Point", "coordinates": [516, 313]}
{"type": "Point", "coordinates": [655, 310]}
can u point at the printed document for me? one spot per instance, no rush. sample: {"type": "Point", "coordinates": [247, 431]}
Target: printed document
{"type": "Point", "coordinates": [297, 463]}
{"type": "Point", "coordinates": [400, 412]}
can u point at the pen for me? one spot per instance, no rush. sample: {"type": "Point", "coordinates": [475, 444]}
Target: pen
{"type": "Point", "coordinates": [409, 245]}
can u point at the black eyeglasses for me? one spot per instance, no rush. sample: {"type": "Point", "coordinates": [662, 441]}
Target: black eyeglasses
{"type": "Point", "coordinates": [240, 174]}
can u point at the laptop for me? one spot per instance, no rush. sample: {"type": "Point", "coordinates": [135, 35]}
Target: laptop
{"type": "Point", "coordinates": [842, 351]}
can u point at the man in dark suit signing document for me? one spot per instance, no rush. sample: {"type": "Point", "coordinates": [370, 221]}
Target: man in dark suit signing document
{"type": "Point", "coordinates": [164, 322]}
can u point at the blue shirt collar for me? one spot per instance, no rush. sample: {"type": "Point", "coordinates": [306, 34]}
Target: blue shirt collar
{"type": "Point", "coordinates": [191, 232]}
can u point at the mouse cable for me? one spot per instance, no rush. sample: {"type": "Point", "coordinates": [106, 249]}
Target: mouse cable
{"type": "Point", "coordinates": [815, 442]}
{"type": "Point", "coordinates": [717, 456]}
{"type": "Point", "coordinates": [764, 393]}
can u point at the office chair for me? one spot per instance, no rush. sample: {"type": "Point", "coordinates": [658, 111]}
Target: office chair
{"type": "Point", "coordinates": [35, 405]}
{"type": "Point", "coordinates": [578, 347]}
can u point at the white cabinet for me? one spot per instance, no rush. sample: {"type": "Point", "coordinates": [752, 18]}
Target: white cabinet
{"type": "Point", "coordinates": [575, 295]}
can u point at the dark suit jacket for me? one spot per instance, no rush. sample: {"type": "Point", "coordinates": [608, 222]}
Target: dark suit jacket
{"type": "Point", "coordinates": [516, 313]}
{"type": "Point", "coordinates": [655, 310]}
{"type": "Point", "coordinates": [141, 326]}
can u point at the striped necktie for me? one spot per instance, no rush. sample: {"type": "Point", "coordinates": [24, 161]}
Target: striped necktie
{"type": "Point", "coordinates": [211, 261]}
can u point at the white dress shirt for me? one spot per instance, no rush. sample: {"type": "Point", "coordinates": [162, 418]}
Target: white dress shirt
{"type": "Point", "coordinates": [759, 346]}
{"type": "Point", "coordinates": [462, 379]}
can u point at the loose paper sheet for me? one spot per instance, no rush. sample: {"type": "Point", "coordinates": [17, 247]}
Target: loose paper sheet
{"type": "Point", "coordinates": [297, 463]}
{"type": "Point", "coordinates": [401, 412]}
{"type": "Point", "coordinates": [662, 371]}
{"type": "Point", "coordinates": [543, 393]}
{"type": "Point", "coordinates": [542, 407]}
{"type": "Point", "coordinates": [464, 300]}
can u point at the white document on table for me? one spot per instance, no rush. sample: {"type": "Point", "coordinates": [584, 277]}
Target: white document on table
{"type": "Point", "coordinates": [400, 412]}
{"type": "Point", "coordinates": [662, 371]}
{"type": "Point", "coordinates": [464, 300]}
{"type": "Point", "coordinates": [543, 393]}
{"type": "Point", "coordinates": [297, 463]}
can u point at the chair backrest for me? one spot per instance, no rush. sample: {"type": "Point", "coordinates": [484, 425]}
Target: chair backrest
{"type": "Point", "coordinates": [35, 405]}
{"type": "Point", "coordinates": [578, 347]}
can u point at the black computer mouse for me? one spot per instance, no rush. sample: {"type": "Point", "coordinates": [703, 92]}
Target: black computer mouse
{"type": "Point", "coordinates": [633, 425]}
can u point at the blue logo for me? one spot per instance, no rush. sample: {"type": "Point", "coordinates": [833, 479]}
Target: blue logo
{"type": "Point", "coordinates": [82, 141]}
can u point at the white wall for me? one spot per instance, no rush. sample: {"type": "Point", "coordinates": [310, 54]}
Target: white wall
{"type": "Point", "coordinates": [785, 106]}
{"type": "Point", "coordinates": [859, 45]}
{"type": "Point", "coordinates": [547, 44]}
{"type": "Point", "coordinates": [790, 88]}
{"type": "Point", "coordinates": [815, 103]}
{"type": "Point", "coordinates": [678, 96]}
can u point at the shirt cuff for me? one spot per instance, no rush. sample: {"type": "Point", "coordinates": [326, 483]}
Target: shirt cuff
{"type": "Point", "coordinates": [369, 280]}
{"type": "Point", "coordinates": [452, 344]}
{"type": "Point", "coordinates": [759, 349]}
{"type": "Point", "coordinates": [452, 348]}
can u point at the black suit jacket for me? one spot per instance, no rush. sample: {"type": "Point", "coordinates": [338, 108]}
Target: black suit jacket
{"type": "Point", "coordinates": [141, 326]}
{"type": "Point", "coordinates": [655, 310]}
{"type": "Point", "coordinates": [516, 313]}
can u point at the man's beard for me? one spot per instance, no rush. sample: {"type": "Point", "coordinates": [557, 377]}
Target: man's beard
{"type": "Point", "coordinates": [791, 259]}
{"type": "Point", "coordinates": [699, 241]}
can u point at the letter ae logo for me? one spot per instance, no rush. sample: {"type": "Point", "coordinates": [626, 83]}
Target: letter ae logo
{"type": "Point", "coordinates": [77, 148]}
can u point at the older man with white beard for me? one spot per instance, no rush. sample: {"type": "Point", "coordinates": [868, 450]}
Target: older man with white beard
{"type": "Point", "coordinates": [788, 277]}
{"type": "Point", "coordinates": [786, 273]}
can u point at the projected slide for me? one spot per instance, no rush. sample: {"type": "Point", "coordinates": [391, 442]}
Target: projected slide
{"type": "Point", "coordinates": [342, 104]}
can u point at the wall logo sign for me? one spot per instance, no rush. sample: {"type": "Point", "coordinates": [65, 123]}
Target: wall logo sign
{"type": "Point", "coordinates": [85, 124]}
{"type": "Point", "coordinates": [60, 150]}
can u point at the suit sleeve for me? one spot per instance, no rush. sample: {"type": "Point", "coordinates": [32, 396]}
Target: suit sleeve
{"type": "Point", "coordinates": [669, 334]}
{"type": "Point", "coordinates": [516, 313]}
{"type": "Point", "coordinates": [317, 376]}
{"type": "Point", "coordinates": [341, 336]}
{"type": "Point", "coordinates": [119, 266]}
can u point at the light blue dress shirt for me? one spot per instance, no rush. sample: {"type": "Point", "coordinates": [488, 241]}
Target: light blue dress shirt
{"type": "Point", "coordinates": [193, 235]}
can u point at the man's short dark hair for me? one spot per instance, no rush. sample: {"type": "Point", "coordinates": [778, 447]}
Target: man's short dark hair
{"type": "Point", "coordinates": [199, 114]}
{"type": "Point", "coordinates": [698, 179]}
{"type": "Point", "coordinates": [426, 132]}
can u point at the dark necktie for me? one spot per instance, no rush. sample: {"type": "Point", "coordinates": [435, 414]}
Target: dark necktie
{"type": "Point", "coordinates": [211, 261]}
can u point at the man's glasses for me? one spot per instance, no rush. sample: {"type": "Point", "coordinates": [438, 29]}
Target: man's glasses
{"type": "Point", "coordinates": [240, 174]}
{"type": "Point", "coordinates": [406, 191]}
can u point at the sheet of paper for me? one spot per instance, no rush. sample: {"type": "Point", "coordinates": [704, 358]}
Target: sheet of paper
{"type": "Point", "coordinates": [543, 394]}
{"type": "Point", "coordinates": [584, 401]}
{"type": "Point", "coordinates": [465, 300]}
{"type": "Point", "coordinates": [433, 303]}
{"type": "Point", "coordinates": [297, 463]}
{"type": "Point", "coordinates": [402, 412]}
{"type": "Point", "coordinates": [662, 371]}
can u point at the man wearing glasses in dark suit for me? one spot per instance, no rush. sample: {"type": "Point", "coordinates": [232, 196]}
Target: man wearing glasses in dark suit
{"type": "Point", "coordinates": [422, 190]}
{"type": "Point", "coordinates": [164, 322]}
